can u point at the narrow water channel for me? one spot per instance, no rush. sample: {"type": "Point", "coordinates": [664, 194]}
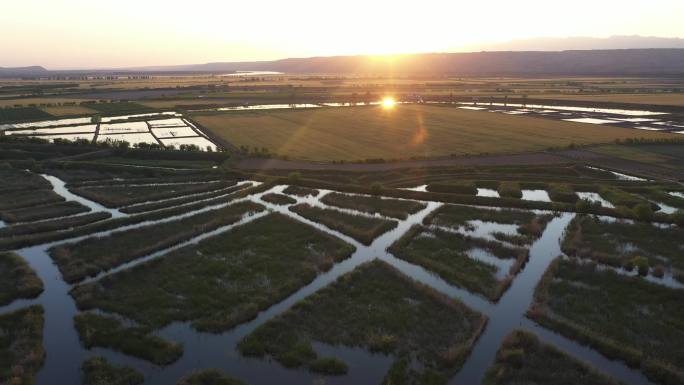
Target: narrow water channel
{"type": "Point", "coordinates": [509, 315]}
{"type": "Point", "coordinates": [205, 350]}
{"type": "Point", "coordinates": [59, 186]}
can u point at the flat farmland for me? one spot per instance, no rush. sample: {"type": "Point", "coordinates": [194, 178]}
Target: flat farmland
{"type": "Point", "coordinates": [669, 156]}
{"type": "Point", "coordinates": [5, 103]}
{"type": "Point", "coordinates": [68, 110]}
{"type": "Point", "coordinates": [400, 132]}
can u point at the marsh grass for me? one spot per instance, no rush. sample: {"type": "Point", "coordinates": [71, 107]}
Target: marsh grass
{"type": "Point", "coordinates": [42, 212]}
{"type": "Point", "coordinates": [52, 225]}
{"type": "Point", "coordinates": [29, 239]}
{"type": "Point", "coordinates": [140, 208]}
{"type": "Point", "coordinates": [374, 204]}
{"type": "Point", "coordinates": [351, 186]}
{"type": "Point", "coordinates": [379, 309]}
{"type": "Point", "coordinates": [359, 227]}
{"type": "Point", "coordinates": [17, 279]}
{"type": "Point", "coordinates": [22, 199]}
{"type": "Point", "coordinates": [530, 225]}
{"type": "Point", "coordinates": [518, 240]}
{"type": "Point", "coordinates": [523, 359]}
{"type": "Point", "coordinates": [589, 237]}
{"type": "Point", "coordinates": [455, 216]}
{"type": "Point", "coordinates": [96, 254]}
{"type": "Point", "coordinates": [14, 179]}
{"type": "Point", "coordinates": [222, 281]}
{"type": "Point", "coordinates": [21, 345]}
{"type": "Point", "coordinates": [620, 197]}
{"type": "Point", "coordinates": [624, 318]}
{"type": "Point", "coordinates": [660, 195]}
{"type": "Point", "coordinates": [107, 332]}
{"type": "Point", "coordinates": [113, 196]}
{"type": "Point", "coordinates": [446, 254]}
{"type": "Point", "coordinates": [98, 371]}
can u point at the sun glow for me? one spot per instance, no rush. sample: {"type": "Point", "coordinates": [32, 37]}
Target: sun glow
{"type": "Point", "coordinates": [388, 102]}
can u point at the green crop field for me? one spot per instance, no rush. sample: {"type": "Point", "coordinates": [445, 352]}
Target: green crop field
{"type": "Point", "coordinates": [120, 107]}
{"type": "Point", "coordinates": [405, 131]}
{"type": "Point", "coordinates": [669, 156]}
{"type": "Point", "coordinates": [23, 113]}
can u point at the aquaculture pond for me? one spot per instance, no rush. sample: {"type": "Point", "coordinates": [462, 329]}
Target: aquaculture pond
{"type": "Point", "coordinates": [170, 129]}
{"type": "Point", "coordinates": [261, 290]}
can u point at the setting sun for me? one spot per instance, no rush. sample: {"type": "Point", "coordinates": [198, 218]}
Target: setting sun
{"type": "Point", "coordinates": [388, 102]}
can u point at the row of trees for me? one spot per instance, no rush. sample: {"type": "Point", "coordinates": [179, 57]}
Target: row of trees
{"type": "Point", "coordinates": [115, 144]}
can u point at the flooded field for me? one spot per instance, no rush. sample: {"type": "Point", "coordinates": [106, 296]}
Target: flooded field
{"type": "Point", "coordinates": [169, 129]}
{"type": "Point", "coordinates": [628, 118]}
{"type": "Point", "coordinates": [488, 236]}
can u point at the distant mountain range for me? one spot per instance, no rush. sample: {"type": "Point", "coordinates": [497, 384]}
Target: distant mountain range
{"type": "Point", "coordinates": [529, 63]}
{"type": "Point", "coordinates": [595, 62]}
{"type": "Point", "coordinates": [19, 71]}
{"type": "Point", "coordinates": [584, 43]}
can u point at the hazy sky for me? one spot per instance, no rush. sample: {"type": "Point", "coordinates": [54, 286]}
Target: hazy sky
{"type": "Point", "coordinates": [96, 33]}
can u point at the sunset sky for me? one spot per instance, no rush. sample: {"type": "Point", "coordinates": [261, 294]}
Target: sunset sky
{"type": "Point", "coordinates": [91, 34]}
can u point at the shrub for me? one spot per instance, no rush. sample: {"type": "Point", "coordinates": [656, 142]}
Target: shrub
{"type": "Point", "coordinates": [376, 188]}
{"type": "Point", "coordinates": [294, 177]}
{"type": "Point", "coordinates": [562, 193]}
{"type": "Point", "coordinates": [582, 205]}
{"type": "Point", "coordinates": [644, 211]}
{"type": "Point", "coordinates": [510, 190]}
{"type": "Point", "coordinates": [297, 356]}
{"type": "Point", "coordinates": [641, 264]}
{"type": "Point", "coordinates": [382, 343]}
{"type": "Point", "coordinates": [624, 211]}
{"type": "Point", "coordinates": [330, 366]}
{"type": "Point", "coordinates": [659, 271]}
{"type": "Point", "coordinates": [629, 265]}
